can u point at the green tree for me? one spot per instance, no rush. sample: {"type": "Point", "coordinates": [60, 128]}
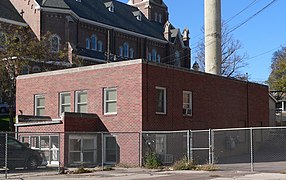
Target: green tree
{"type": "Point", "coordinates": [19, 47]}
{"type": "Point", "coordinates": [232, 58]}
{"type": "Point", "coordinates": [277, 77]}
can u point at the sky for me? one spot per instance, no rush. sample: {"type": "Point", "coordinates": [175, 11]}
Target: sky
{"type": "Point", "coordinates": [260, 37]}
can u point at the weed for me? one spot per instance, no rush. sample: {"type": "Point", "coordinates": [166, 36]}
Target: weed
{"type": "Point", "coordinates": [152, 161]}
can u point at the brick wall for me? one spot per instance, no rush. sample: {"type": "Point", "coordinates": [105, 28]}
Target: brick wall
{"type": "Point", "coordinates": [127, 79]}
{"type": "Point", "coordinates": [218, 102]}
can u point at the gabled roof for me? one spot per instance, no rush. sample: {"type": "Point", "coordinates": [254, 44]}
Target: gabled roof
{"type": "Point", "coordinates": [9, 13]}
{"type": "Point", "coordinates": [122, 17]}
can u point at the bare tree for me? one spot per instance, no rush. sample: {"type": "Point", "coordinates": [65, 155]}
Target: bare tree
{"type": "Point", "coordinates": [232, 59]}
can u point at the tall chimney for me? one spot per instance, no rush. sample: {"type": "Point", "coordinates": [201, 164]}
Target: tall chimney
{"type": "Point", "coordinates": [213, 53]}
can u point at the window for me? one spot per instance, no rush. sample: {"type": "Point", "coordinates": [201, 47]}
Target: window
{"type": "Point", "coordinates": [87, 43]}
{"type": "Point", "coordinates": [110, 101]}
{"type": "Point", "coordinates": [81, 102]}
{"type": "Point", "coordinates": [154, 55]}
{"type": "Point", "coordinates": [158, 58]}
{"type": "Point", "coordinates": [177, 59]}
{"type": "Point", "coordinates": [121, 51]}
{"type": "Point", "coordinates": [82, 149]}
{"type": "Point", "coordinates": [94, 42]}
{"type": "Point", "coordinates": [187, 103]}
{"type": "Point", "coordinates": [281, 105]}
{"type": "Point", "coordinates": [2, 39]}
{"type": "Point", "coordinates": [149, 56]}
{"type": "Point", "coordinates": [39, 105]}
{"type": "Point", "coordinates": [36, 69]}
{"type": "Point", "coordinates": [131, 53]}
{"type": "Point", "coordinates": [110, 147]}
{"type": "Point", "coordinates": [25, 70]}
{"type": "Point", "coordinates": [111, 8]}
{"type": "Point", "coordinates": [156, 16]}
{"type": "Point", "coordinates": [99, 46]}
{"type": "Point", "coordinates": [126, 50]}
{"type": "Point", "coordinates": [139, 17]}
{"type": "Point", "coordinates": [161, 100]}
{"type": "Point", "coordinates": [65, 102]}
{"type": "Point", "coordinates": [55, 43]}
{"type": "Point", "coordinates": [160, 18]}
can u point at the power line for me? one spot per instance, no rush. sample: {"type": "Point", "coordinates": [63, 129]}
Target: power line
{"type": "Point", "coordinates": [251, 17]}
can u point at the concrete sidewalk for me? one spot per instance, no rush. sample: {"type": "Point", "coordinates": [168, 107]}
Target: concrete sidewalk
{"type": "Point", "coordinates": [143, 174]}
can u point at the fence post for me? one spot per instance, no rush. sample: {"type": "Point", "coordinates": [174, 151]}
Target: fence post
{"type": "Point", "coordinates": [191, 145]}
{"type": "Point", "coordinates": [212, 137]}
{"type": "Point", "coordinates": [6, 156]}
{"type": "Point", "coordinates": [251, 150]}
{"type": "Point", "coordinates": [188, 146]}
{"type": "Point", "coordinates": [140, 149]}
{"type": "Point", "coordinates": [102, 151]}
{"type": "Point", "coordinates": [210, 146]}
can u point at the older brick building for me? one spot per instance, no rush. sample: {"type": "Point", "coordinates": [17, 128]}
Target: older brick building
{"type": "Point", "coordinates": [100, 31]}
{"type": "Point", "coordinates": [136, 96]}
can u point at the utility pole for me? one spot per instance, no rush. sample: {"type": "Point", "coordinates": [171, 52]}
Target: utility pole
{"type": "Point", "coordinates": [213, 54]}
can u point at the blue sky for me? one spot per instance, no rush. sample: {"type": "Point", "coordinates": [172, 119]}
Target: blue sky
{"type": "Point", "coordinates": [266, 32]}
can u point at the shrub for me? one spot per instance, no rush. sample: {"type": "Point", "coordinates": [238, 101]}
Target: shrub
{"type": "Point", "coordinates": [183, 164]}
{"type": "Point", "coordinates": [82, 170]}
{"type": "Point", "coordinates": [152, 161]}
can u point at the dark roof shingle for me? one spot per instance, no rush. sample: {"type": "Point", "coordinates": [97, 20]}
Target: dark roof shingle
{"type": "Point", "coordinates": [7, 11]}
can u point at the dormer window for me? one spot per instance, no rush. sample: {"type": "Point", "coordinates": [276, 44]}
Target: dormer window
{"type": "Point", "coordinates": [138, 15]}
{"type": "Point", "coordinates": [78, 0]}
{"type": "Point", "coordinates": [109, 6]}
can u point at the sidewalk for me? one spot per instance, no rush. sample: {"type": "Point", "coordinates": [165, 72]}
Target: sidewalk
{"type": "Point", "coordinates": [143, 174]}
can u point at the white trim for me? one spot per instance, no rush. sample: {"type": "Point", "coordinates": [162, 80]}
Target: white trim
{"type": "Point", "coordinates": [110, 101]}
{"type": "Point", "coordinates": [82, 103]}
{"type": "Point", "coordinates": [60, 105]}
{"type": "Point", "coordinates": [164, 100]}
{"type": "Point", "coordinates": [38, 123]}
{"type": "Point", "coordinates": [102, 25]}
{"type": "Point", "coordinates": [36, 107]}
{"type": "Point", "coordinates": [190, 103]}
{"type": "Point", "coordinates": [13, 22]}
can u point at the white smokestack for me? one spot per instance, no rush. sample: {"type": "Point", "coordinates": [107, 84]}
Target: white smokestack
{"type": "Point", "coordinates": [213, 36]}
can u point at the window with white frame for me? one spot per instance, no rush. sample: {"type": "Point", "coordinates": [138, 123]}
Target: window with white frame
{"type": "Point", "coordinates": [81, 101]}
{"type": "Point", "coordinates": [187, 103]}
{"type": "Point", "coordinates": [39, 105]}
{"type": "Point", "coordinates": [139, 17]}
{"type": "Point", "coordinates": [110, 101]}
{"type": "Point", "coordinates": [161, 100]}
{"type": "Point", "coordinates": [281, 105]}
{"type": "Point", "coordinates": [93, 42]}
{"type": "Point", "coordinates": [111, 8]}
{"type": "Point", "coordinates": [55, 43]}
{"type": "Point", "coordinates": [65, 102]}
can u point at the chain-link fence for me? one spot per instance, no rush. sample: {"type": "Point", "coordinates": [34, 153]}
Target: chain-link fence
{"type": "Point", "coordinates": [168, 146]}
{"type": "Point", "coordinates": [259, 149]}
{"type": "Point", "coordinates": [245, 149]}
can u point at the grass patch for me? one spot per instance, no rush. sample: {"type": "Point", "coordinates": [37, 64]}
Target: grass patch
{"type": "Point", "coordinates": [184, 164]}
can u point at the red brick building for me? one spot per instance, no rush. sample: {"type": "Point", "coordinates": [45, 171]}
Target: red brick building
{"type": "Point", "coordinates": [136, 96]}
